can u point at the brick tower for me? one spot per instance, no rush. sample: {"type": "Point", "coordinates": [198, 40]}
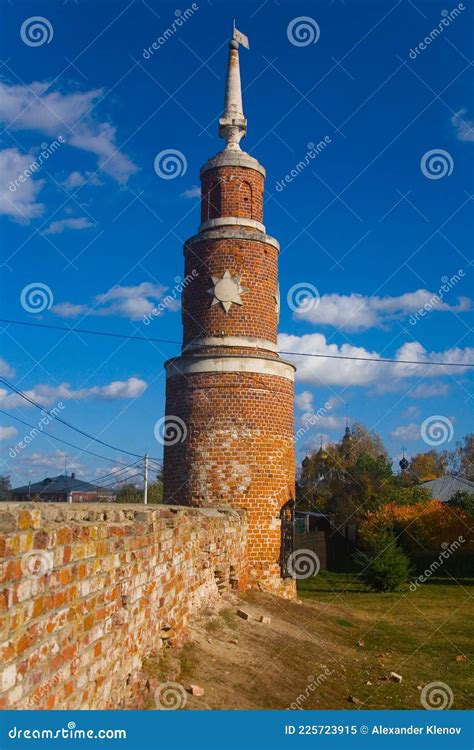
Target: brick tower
{"type": "Point", "coordinates": [229, 395]}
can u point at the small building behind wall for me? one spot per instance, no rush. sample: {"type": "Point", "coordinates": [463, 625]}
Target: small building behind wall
{"type": "Point", "coordinates": [63, 489]}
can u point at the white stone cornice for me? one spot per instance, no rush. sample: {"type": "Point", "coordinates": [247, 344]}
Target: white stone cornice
{"type": "Point", "coordinates": [232, 233]}
{"type": "Point", "coordinates": [233, 159]}
{"type": "Point", "coordinates": [229, 363]}
{"type": "Point", "coordinates": [233, 221]}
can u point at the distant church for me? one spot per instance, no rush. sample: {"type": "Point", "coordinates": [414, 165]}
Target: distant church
{"type": "Point", "coordinates": [229, 389]}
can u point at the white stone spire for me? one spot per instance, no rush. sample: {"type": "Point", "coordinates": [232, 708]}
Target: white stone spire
{"type": "Point", "coordinates": [232, 124]}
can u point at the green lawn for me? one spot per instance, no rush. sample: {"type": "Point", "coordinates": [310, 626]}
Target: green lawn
{"type": "Point", "coordinates": [425, 636]}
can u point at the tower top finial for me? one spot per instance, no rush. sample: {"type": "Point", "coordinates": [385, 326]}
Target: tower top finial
{"type": "Point", "coordinates": [232, 124]}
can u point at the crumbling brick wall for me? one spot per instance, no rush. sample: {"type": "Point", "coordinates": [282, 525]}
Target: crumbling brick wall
{"type": "Point", "coordinates": [88, 591]}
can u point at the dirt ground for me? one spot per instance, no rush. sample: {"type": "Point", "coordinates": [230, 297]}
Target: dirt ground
{"type": "Point", "coordinates": [313, 654]}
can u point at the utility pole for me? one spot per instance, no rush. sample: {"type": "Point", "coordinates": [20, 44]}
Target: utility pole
{"type": "Point", "coordinates": [145, 488]}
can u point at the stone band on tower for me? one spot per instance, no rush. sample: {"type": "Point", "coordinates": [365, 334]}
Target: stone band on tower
{"type": "Point", "coordinates": [229, 387]}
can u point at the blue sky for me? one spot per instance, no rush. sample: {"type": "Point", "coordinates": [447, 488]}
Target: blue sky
{"type": "Point", "coordinates": [375, 222]}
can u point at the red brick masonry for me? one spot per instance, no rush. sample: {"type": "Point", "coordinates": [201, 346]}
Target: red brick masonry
{"type": "Point", "coordinates": [88, 591]}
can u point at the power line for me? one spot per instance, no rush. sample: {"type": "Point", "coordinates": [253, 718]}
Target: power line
{"type": "Point", "coordinates": [65, 442]}
{"type": "Point", "coordinates": [87, 330]}
{"type": "Point", "coordinates": [291, 354]}
{"type": "Point", "coordinates": [63, 421]}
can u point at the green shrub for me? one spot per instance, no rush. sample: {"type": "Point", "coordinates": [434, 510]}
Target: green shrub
{"type": "Point", "coordinates": [382, 563]}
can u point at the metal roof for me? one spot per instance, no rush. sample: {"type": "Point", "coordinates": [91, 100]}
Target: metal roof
{"type": "Point", "coordinates": [445, 487]}
{"type": "Point", "coordinates": [59, 485]}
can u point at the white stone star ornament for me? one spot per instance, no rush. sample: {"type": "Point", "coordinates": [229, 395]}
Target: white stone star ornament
{"type": "Point", "coordinates": [226, 290]}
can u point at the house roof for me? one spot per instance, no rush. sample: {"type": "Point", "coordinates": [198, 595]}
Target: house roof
{"type": "Point", "coordinates": [445, 487]}
{"type": "Point", "coordinates": [59, 485]}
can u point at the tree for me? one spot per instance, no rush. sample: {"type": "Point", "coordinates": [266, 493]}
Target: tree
{"type": "Point", "coordinates": [5, 487]}
{"type": "Point", "coordinates": [464, 454]}
{"type": "Point", "coordinates": [128, 493]}
{"type": "Point", "coordinates": [383, 564]}
{"type": "Point", "coordinates": [427, 466]}
{"type": "Point", "coordinates": [464, 500]}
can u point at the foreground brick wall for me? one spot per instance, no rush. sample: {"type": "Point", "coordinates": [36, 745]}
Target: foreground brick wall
{"type": "Point", "coordinates": [87, 591]}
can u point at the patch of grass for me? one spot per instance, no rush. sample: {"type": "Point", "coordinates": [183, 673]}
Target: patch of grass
{"type": "Point", "coordinates": [344, 623]}
{"type": "Point", "coordinates": [229, 617]}
{"type": "Point", "coordinates": [188, 660]}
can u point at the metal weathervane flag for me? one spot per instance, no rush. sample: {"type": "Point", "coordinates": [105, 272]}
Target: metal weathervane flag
{"type": "Point", "coordinates": [240, 38]}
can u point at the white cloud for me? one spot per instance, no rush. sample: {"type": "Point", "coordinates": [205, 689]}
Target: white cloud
{"type": "Point", "coordinates": [192, 192]}
{"type": "Point", "coordinates": [429, 390]}
{"type": "Point", "coordinates": [77, 179]}
{"type": "Point", "coordinates": [328, 371]}
{"type": "Point", "coordinates": [18, 199]}
{"type": "Point", "coordinates": [412, 411]}
{"type": "Point", "coordinates": [5, 369]}
{"type": "Point", "coordinates": [47, 395]}
{"type": "Point", "coordinates": [132, 302]}
{"type": "Point", "coordinates": [37, 108]}
{"type": "Point", "coordinates": [56, 227]}
{"type": "Point", "coordinates": [464, 127]}
{"type": "Point", "coordinates": [7, 432]}
{"type": "Point", "coordinates": [407, 432]}
{"type": "Point", "coordinates": [357, 312]}
{"type": "Point", "coordinates": [55, 460]}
